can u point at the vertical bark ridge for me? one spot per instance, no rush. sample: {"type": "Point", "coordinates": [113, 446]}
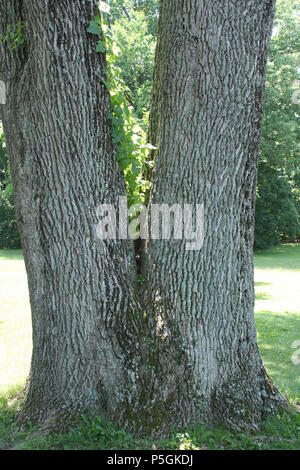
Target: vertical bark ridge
{"type": "Point", "coordinates": [209, 83]}
{"type": "Point", "coordinates": [82, 290]}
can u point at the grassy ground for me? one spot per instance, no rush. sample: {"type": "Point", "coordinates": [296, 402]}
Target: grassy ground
{"type": "Point", "coordinates": [277, 277]}
{"type": "Point", "coordinates": [277, 283]}
{"type": "Point", "coordinates": [15, 325]}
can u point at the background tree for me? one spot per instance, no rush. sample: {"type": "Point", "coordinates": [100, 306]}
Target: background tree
{"type": "Point", "coordinates": [136, 61]}
{"type": "Point", "coordinates": [9, 236]}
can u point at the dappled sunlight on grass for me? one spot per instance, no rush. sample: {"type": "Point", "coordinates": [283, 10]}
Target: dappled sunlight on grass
{"type": "Point", "coordinates": [277, 278]}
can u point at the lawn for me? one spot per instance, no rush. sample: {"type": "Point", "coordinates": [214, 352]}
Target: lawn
{"type": "Point", "coordinates": [277, 283]}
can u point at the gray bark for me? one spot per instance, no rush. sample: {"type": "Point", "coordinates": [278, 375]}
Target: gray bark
{"type": "Point", "coordinates": [63, 166]}
{"type": "Point", "coordinates": [206, 117]}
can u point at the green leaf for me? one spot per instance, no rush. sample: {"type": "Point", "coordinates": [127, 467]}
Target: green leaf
{"type": "Point", "coordinates": [100, 47]}
{"type": "Point", "coordinates": [94, 28]}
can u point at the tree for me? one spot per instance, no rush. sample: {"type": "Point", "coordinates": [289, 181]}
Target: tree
{"type": "Point", "coordinates": [57, 128]}
{"type": "Point", "coordinates": [125, 8]}
{"type": "Point", "coordinates": [181, 347]}
{"type": "Point", "coordinates": [277, 217]}
{"type": "Point", "coordinates": [205, 120]}
{"type": "Point", "coordinates": [136, 62]}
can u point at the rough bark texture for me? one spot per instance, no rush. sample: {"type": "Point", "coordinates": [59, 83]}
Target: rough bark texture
{"type": "Point", "coordinates": [63, 166]}
{"type": "Point", "coordinates": [206, 116]}
{"type": "Point", "coordinates": [192, 353]}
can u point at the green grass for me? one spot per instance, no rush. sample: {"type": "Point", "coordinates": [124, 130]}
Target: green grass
{"type": "Point", "coordinates": [277, 281]}
{"type": "Point", "coordinates": [277, 314]}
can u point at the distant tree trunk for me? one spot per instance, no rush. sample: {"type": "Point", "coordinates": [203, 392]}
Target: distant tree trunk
{"type": "Point", "coordinates": [206, 117]}
{"type": "Point", "coordinates": [63, 166]}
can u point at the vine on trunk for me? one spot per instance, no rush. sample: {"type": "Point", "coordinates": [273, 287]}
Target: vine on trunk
{"type": "Point", "coordinates": [128, 134]}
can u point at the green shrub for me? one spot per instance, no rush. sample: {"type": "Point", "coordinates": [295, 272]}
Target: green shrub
{"type": "Point", "coordinates": [9, 236]}
{"type": "Point", "coordinates": [277, 217]}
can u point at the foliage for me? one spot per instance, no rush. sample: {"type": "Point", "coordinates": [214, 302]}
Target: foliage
{"type": "Point", "coordinates": [277, 217]}
{"type": "Point", "coordinates": [278, 204]}
{"type": "Point", "coordinates": [150, 8]}
{"type": "Point", "coordinates": [3, 160]}
{"type": "Point", "coordinates": [126, 8]}
{"type": "Point", "coordinates": [15, 36]}
{"type": "Point", "coordinates": [128, 133]}
{"type": "Point", "coordinates": [9, 236]}
{"type": "Point", "coordinates": [129, 27]}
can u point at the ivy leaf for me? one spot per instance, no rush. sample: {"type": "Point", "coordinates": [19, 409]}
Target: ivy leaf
{"type": "Point", "coordinates": [100, 47]}
{"type": "Point", "coordinates": [135, 168]}
{"type": "Point", "coordinates": [95, 28]}
{"type": "Point", "coordinates": [124, 164]}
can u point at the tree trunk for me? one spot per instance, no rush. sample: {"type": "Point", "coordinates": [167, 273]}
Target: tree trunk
{"type": "Point", "coordinates": [82, 291]}
{"type": "Point", "coordinates": [206, 117]}
{"type": "Point", "coordinates": [190, 354]}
